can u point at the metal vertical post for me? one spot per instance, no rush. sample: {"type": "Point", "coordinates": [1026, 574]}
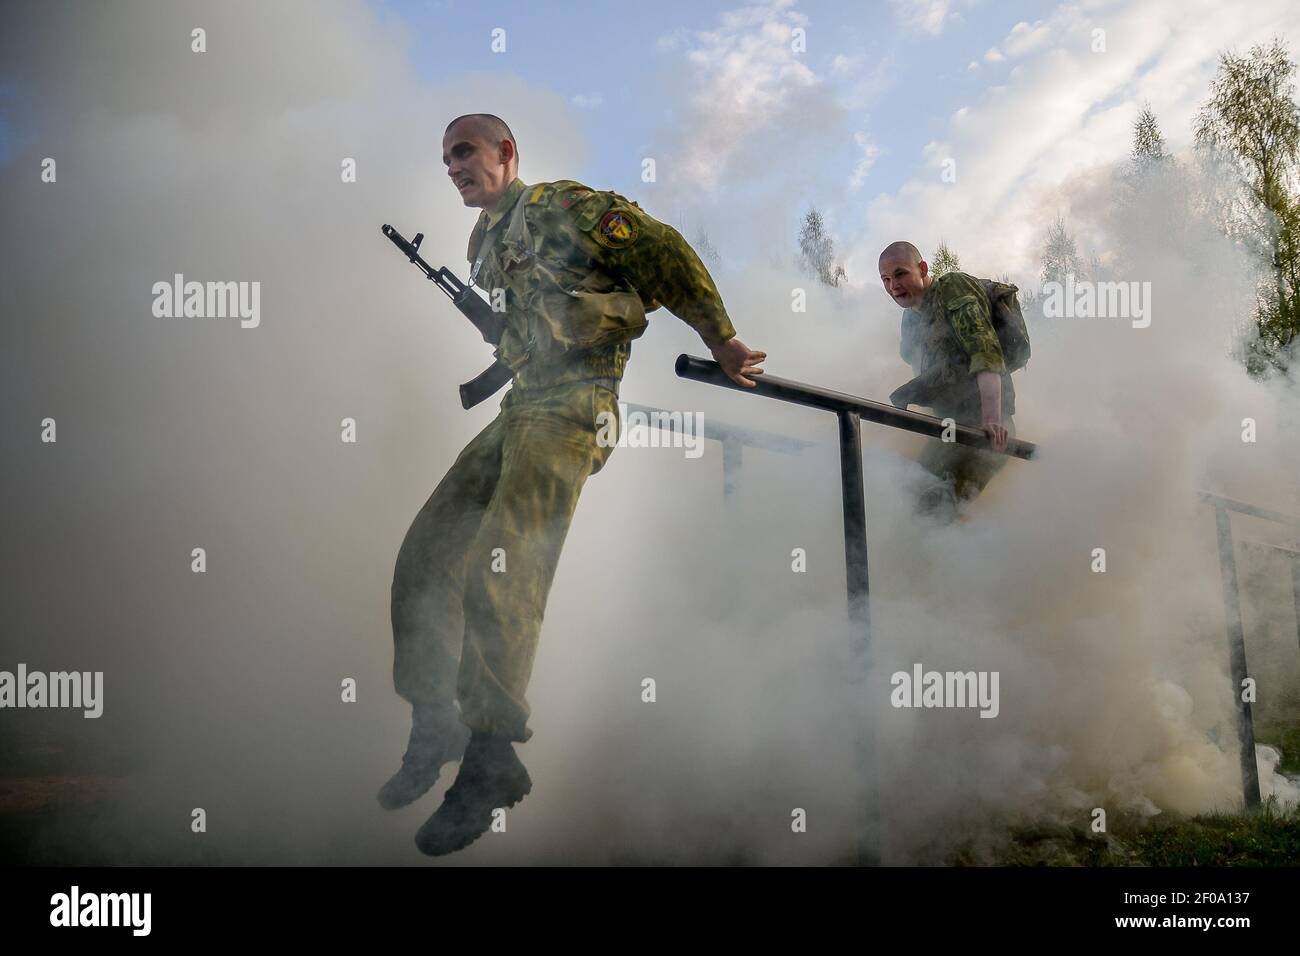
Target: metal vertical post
{"type": "Point", "coordinates": [1295, 590]}
{"type": "Point", "coordinates": [1237, 657]}
{"type": "Point", "coordinates": [732, 452]}
{"type": "Point", "coordinates": [859, 586]}
{"type": "Point", "coordinates": [850, 411]}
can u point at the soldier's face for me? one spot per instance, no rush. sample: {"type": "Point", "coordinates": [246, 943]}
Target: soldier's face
{"type": "Point", "coordinates": [478, 168]}
{"type": "Point", "coordinates": [904, 280]}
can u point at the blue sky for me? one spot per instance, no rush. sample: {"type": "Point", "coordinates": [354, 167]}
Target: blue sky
{"type": "Point", "coordinates": [860, 122]}
{"type": "Point", "coordinates": [747, 131]}
{"type": "Point", "coordinates": [620, 60]}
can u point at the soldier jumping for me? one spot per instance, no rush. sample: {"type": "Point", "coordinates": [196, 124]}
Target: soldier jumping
{"type": "Point", "coordinates": [577, 270]}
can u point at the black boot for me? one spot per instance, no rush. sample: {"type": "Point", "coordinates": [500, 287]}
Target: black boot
{"type": "Point", "coordinates": [437, 737]}
{"type": "Point", "coordinates": [490, 777]}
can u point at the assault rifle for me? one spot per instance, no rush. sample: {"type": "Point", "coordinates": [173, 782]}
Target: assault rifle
{"type": "Point", "coordinates": [490, 324]}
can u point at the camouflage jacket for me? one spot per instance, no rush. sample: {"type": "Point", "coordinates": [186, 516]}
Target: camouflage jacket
{"type": "Point", "coordinates": [948, 338]}
{"type": "Point", "coordinates": [576, 271]}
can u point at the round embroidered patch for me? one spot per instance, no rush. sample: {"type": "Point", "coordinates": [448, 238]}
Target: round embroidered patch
{"type": "Point", "coordinates": [616, 230]}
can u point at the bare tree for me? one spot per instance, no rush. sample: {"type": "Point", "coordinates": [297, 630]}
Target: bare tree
{"type": "Point", "coordinates": [817, 250]}
{"type": "Point", "coordinates": [705, 249]}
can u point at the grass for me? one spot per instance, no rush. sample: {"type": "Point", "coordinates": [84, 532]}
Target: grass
{"type": "Point", "coordinates": [1268, 837]}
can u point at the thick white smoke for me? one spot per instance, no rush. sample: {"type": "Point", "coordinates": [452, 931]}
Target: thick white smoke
{"type": "Point", "coordinates": [223, 690]}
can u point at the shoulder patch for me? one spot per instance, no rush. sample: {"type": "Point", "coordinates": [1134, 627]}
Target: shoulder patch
{"type": "Point", "coordinates": [571, 196]}
{"type": "Point", "coordinates": [587, 209]}
{"type": "Point", "coordinates": [560, 191]}
{"type": "Point", "coordinates": [617, 230]}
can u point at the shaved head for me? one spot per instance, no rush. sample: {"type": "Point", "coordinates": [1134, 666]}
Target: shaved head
{"type": "Point", "coordinates": [481, 157]}
{"type": "Point", "coordinates": [486, 126]}
{"type": "Point", "coordinates": [903, 251]}
{"type": "Point", "coordinates": [906, 276]}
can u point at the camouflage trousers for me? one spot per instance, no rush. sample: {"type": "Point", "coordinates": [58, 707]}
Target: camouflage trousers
{"type": "Point", "coordinates": [475, 569]}
{"type": "Point", "coordinates": [962, 473]}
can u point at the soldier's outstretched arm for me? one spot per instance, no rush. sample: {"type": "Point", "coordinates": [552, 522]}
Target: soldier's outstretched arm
{"type": "Point", "coordinates": [665, 270]}
{"type": "Point", "coordinates": [974, 329]}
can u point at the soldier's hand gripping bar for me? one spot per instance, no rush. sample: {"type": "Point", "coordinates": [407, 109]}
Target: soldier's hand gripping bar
{"type": "Point", "coordinates": [703, 370]}
{"type": "Point", "coordinates": [471, 305]}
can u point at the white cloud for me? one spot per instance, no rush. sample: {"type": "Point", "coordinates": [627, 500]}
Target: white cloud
{"type": "Point", "coordinates": [1023, 37]}
{"type": "Point", "coordinates": [870, 152]}
{"type": "Point", "coordinates": [859, 81]}
{"type": "Point", "coordinates": [928, 16]}
{"type": "Point", "coordinates": [1062, 110]}
{"type": "Point", "coordinates": [842, 65]}
{"type": "Point", "coordinates": [587, 101]}
{"type": "Point", "coordinates": [934, 152]}
{"type": "Point", "coordinates": [745, 77]}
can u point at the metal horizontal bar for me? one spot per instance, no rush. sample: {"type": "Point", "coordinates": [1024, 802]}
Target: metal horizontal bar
{"type": "Point", "coordinates": [705, 370]}
{"type": "Point", "coordinates": [1242, 507]}
{"type": "Point", "coordinates": [1265, 546]}
{"type": "Point", "coordinates": [722, 431]}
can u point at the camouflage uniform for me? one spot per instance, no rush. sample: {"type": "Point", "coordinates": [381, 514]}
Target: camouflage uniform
{"type": "Point", "coordinates": [578, 269]}
{"type": "Point", "coordinates": [947, 339]}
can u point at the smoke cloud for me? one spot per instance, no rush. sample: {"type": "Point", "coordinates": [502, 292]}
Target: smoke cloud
{"type": "Point", "coordinates": [222, 689]}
